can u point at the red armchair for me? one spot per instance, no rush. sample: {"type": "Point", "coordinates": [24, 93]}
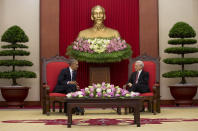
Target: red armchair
{"type": "Point", "coordinates": [50, 70]}
{"type": "Point", "coordinates": [151, 65]}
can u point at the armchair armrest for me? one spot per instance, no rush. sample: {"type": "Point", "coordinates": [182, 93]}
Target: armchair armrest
{"type": "Point", "coordinates": [46, 89]}
{"type": "Point", "coordinates": [156, 90]}
{"type": "Point", "coordinates": [45, 100]}
{"type": "Point", "coordinates": [45, 86]}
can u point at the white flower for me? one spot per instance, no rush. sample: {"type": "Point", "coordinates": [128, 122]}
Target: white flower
{"type": "Point", "coordinates": [108, 85]}
{"type": "Point", "coordinates": [86, 89]}
{"type": "Point", "coordinates": [134, 94]}
{"type": "Point", "coordinates": [79, 92]}
{"type": "Point", "coordinates": [80, 96]}
{"type": "Point", "coordinates": [117, 87]}
{"type": "Point", "coordinates": [127, 95]}
{"type": "Point", "coordinates": [108, 90]}
{"type": "Point", "coordinates": [69, 95]}
{"type": "Point", "coordinates": [118, 90]}
{"type": "Point", "coordinates": [98, 85]}
{"type": "Point", "coordinates": [98, 45]}
{"type": "Point", "coordinates": [98, 90]}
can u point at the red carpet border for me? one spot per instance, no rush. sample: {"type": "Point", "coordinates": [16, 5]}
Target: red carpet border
{"type": "Point", "coordinates": [92, 122]}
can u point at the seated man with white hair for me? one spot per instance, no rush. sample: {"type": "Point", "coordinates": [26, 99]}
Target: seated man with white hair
{"type": "Point", "coordinates": [138, 81]}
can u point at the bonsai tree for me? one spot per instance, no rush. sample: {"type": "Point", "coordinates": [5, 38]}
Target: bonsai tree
{"type": "Point", "coordinates": [182, 34]}
{"type": "Point", "coordinates": [13, 36]}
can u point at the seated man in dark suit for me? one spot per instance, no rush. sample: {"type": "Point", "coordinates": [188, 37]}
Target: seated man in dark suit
{"type": "Point", "coordinates": [67, 81]}
{"type": "Point", "coordinates": [138, 81]}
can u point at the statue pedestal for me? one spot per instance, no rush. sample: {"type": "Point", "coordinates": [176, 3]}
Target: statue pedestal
{"type": "Point", "coordinates": [99, 74]}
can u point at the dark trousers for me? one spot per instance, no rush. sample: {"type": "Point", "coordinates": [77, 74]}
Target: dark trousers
{"type": "Point", "coordinates": [140, 89]}
{"type": "Point", "coordinates": [65, 88]}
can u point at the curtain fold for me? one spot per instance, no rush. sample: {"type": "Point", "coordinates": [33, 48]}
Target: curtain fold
{"type": "Point", "coordinates": [122, 15]}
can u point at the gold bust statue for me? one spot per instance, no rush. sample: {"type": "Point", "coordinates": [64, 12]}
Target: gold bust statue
{"type": "Point", "coordinates": [98, 30]}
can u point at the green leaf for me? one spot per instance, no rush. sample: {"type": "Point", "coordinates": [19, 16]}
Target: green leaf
{"type": "Point", "coordinates": [100, 57]}
{"type": "Point", "coordinates": [180, 61]}
{"type": "Point", "coordinates": [14, 46]}
{"type": "Point", "coordinates": [182, 41]}
{"type": "Point", "coordinates": [181, 50]}
{"type": "Point", "coordinates": [15, 62]}
{"type": "Point", "coordinates": [182, 30]}
{"type": "Point", "coordinates": [180, 73]}
{"type": "Point", "coordinates": [14, 52]}
{"type": "Point", "coordinates": [14, 34]}
{"type": "Point", "coordinates": [17, 74]}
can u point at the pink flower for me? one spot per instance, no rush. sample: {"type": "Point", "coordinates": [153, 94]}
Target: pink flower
{"type": "Point", "coordinates": [105, 95]}
{"type": "Point", "coordinates": [124, 92]}
{"type": "Point", "coordinates": [94, 86]}
{"type": "Point", "coordinates": [111, 93]}
{"type": "Point", "coordinates": [117, 95]}
{"type": "Point", "coordinates": [91, 89]}
{"type": "Point", "coordinates": [91, 95]}
{"type": "Point", "coordinates": [74, 94]}
{"type": "Point", "coordinates": [83, 90]}
{"type": "Point", "coordinates": [99, 94]}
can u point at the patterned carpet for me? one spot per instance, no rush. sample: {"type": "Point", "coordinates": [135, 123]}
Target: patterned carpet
{"type": "Point", "coordinates": [170, 119]}
{"type": "Point", "coordinates": [101, 121]}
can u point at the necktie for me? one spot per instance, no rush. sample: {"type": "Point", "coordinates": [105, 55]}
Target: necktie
{"type": "Point", "coordinates": [136, 79]}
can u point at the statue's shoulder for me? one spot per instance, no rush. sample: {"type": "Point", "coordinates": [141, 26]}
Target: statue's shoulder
{"type": "Point", "coordinates": [90, 33]}
{"type": "Point", "coordinates": [113, 31]}
{"type": "Point", "coordinates": [85, 33]}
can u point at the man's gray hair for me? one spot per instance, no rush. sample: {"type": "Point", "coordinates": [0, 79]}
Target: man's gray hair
{"type": "Point", "coordinates": [141, 63]}
{"type": "Point", "coordinates": [71, 61]}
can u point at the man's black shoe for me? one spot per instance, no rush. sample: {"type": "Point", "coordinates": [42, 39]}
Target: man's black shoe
{"type": "Point", "coordinates": [77, 113]}
{"type": "Point", "coordinates": [142, 110]}
{"type": "Point", "coordinates": [82, 111]}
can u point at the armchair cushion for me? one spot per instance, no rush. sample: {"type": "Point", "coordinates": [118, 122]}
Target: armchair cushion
{"type": "Point", "coordinates": [56, 94]}
{"type": "Point", "coordinates": [147, 94]}
{"type": "Point", "coordinates": [52, 71]}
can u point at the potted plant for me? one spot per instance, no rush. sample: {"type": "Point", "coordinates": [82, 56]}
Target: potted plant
{"type": "Point", "coordinates": [182, 34]}
{"type": "Point", "coordinates": [15, 93]}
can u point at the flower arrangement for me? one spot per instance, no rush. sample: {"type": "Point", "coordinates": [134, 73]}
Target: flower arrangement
{"type": "Point", "coordinates": [104, 90]}
{"type": "Point", "coordinates": [99, 50]}
{"type": "Point", "coordinates": [98, 45]}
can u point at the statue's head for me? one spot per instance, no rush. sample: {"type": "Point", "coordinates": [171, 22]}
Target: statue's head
{"type": "Point", "coordinates": [98, 14]}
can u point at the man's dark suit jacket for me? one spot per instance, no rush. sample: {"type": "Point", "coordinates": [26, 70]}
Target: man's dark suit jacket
{"type": "Point", "coordinates": [142, 85]}
{"type": "Point", "coordinates": [63, 78]}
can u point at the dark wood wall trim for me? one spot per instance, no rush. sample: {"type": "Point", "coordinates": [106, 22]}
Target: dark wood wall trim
{"type": "Point", "coordinates": [49, 31]}
{"type": "Point", "coordinates": [49, 27]}
{"type": "Point", "coordinates": [149, 32]}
